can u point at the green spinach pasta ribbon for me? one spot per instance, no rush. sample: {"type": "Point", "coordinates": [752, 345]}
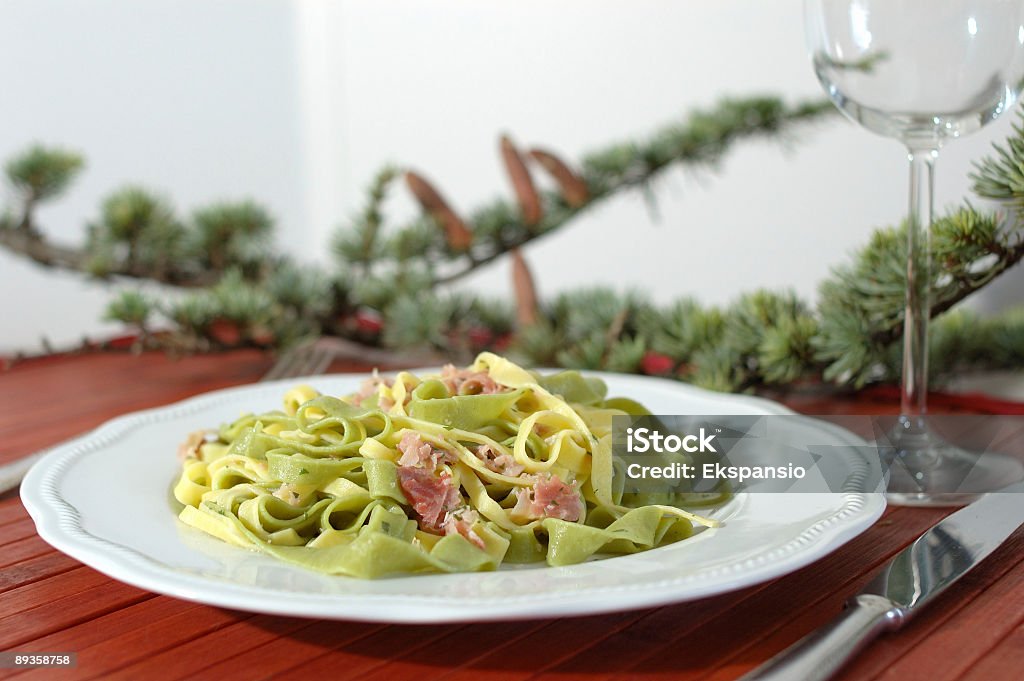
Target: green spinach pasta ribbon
{"type": "Point", "coordinates": [460, 471]}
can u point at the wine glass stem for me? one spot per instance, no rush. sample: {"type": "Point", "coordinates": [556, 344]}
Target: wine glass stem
{"type": "Point", "coordinates": [914, 393]}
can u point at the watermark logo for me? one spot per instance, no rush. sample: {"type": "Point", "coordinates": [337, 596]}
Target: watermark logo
{"type": "Point", "coordinates": [688, 454]}
{"type": "Point", "coordinates": [642, 440]}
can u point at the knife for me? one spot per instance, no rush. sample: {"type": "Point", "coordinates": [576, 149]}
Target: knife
{"type": "Point", "coordinates": [901, 588]}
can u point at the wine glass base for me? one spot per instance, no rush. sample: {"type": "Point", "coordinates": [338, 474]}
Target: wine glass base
{"type": "Point", "coordinates": [927, 471]}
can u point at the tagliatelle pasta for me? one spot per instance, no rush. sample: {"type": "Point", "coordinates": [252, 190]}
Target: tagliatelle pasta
{"type": "Point", "coordinates": [460, 471]}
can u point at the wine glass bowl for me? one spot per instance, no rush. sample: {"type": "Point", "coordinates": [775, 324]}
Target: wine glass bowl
{"type": "Point", "coordinates": [919, 71]}
{"type": "Point", "coordinates": [922, 72]}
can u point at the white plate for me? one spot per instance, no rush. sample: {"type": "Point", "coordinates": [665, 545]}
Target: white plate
{"type": "Point", "coordinates": [105, 499]}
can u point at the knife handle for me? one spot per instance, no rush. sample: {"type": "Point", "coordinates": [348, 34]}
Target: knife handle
{"type": "Point", "coordinates": [820, 654]}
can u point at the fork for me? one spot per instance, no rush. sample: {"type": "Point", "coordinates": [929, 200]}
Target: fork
{"type": "Point", "coordinates": [306, 359]}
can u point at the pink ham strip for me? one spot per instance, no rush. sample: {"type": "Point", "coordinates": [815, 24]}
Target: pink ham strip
{"type": "Point", "coordinates": [431, 496]}
{"type": "Point", "coordinates": [549, 497]}
{"type": "Point", "coordinates": [468, 382]}
{"type": "Point", "coordinates": [502, 464]}
{"type": "Point", "coordinates": [369, 387]}
{"type": "Point", "coordinates": [190, 447]}
{"type": "Point", "coordinates": [416, 452]}
{"type": "Point", "coordinates": [461, 521]}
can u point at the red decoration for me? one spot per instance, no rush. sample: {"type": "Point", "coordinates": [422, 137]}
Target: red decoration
{"type": "Point", "coordinates": [657, 364]}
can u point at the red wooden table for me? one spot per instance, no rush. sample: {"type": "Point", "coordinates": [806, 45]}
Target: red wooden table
{"type": "Point", "coordinates": [49, 602]}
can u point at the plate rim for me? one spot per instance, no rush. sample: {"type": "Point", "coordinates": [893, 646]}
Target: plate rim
{"type": "Point", "coordinates": [59, 523]}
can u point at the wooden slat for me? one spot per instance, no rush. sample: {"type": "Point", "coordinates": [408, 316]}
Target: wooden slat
{"type": "Point", "coordinates": [457, 649]}
{"type": "Point", "coordinates": [11, 509]}
{"type": "Point", "coordinates": [188, 658]}
{"type": "Point", "coordinates": [22, 549]}
{"type": "Point", "coordinates": [35, 569]}
{"type": "Point", "coordinates": [171, 644]}
{"type": "Point", "coordinates": [1012, 442]}
{"type": "Point", "coordinates": [107, 641]}
{"type": "Point", "coordinates": [16, 531]}
{"type": "Point", "coordinates": [366, 651]}
{"type": "Point", "coordinates": [293, 652]}
{"type": "Point", "coordinates": [1004, 661]}
{"type": "Point", "coordinates": [32, 595]}
{"type": "Point", "coordinates": [552, 642]}
{"type": "Point", "coordinates": [57, 606]}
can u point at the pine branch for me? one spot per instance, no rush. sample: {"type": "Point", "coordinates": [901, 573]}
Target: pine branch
{"type": "Point", "coordinates": [137, 234]}
{"type": "Point", "coordinates": [39, 174]}
{"type": "Point", "coordinates": [42, 251]}
{"type": "Point", "coordinates": [231, 235]}
{"type": "Point", "coordinates": [23, 241]}
{"type": "Point", "coordinates": [390, 297]}
{"type": "Point", "coordinates": [130, 307]}
{"type": "Point", "coordinates": [360, 242]}
{"type": "Point", "coordinates": [503, 226]}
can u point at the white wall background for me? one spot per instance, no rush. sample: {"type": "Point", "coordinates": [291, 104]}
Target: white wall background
{"type": "Point", "coordinates": [298, 103]}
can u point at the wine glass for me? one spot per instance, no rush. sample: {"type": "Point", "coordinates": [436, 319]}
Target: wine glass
{"type": "Point", "coordinates": [923, 72]}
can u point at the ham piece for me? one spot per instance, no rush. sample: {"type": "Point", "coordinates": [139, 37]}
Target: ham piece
{"type": "Point", "coordinates": [369, 387]}
{"type": "Point", "coordinates": [550, 497]}
{"type": "Point", "coordinates": [502, 464]}
{"type": "Point", "coordinates": [190, 447]}
{"type": "Point", "coordinates": [416, 452]}
{"type": "Point", "coordinates": [430, 494]}
{"type": "Point", "coordinates": [461, 521]}
{"type": "Point", "coordinates": [468, 382]}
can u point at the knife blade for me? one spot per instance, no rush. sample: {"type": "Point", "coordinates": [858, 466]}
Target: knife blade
{"type": "Point", "coordinates": [907, 583]}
